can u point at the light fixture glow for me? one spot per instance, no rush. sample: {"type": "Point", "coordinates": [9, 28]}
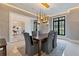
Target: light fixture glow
{"type": "Point", "coordinates": [45, 5]}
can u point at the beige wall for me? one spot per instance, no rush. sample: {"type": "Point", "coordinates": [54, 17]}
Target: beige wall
{"type": "Point", "coordinates": [15, 17]}
{"type": "Point", "coordinates": [5, 17]}
{"type": "Point", "coordinates": [71, 24]}
{"type": "Point", "coordinates": [4, 24]}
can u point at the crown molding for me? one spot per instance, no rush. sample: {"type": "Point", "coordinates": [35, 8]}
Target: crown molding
{"type": "Point", "coordinates": [12, 6]}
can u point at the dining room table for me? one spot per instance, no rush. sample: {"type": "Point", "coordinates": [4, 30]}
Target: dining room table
{"type": "Point", "coordinates": [40, 38]}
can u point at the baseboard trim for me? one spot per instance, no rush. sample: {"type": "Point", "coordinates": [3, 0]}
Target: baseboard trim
{"type": "Point", "coordinates": [73, 41]}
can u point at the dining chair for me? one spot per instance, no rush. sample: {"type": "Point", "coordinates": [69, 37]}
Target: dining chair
{"type": "Point", "coordinates": [54, 39]}
{"type": "Point", "coordinates": [51, 42]}
{"type": "Point", "coordinates": [34, 33]}
{"type": "Point", "coordinates": [47, 45]}
{"type": "Point", "coordinates": [30, 48]}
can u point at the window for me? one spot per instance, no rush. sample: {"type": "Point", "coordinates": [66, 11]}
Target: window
{"type": "Point", "coordinates": [59, 25]}
{"type": "Point", "coordinates": [35, 25]}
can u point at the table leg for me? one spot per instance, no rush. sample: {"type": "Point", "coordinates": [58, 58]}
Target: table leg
{"type": "Point", "coordinates": [39, 48]}
{"type": "Point", "coordinates": [4, 49]}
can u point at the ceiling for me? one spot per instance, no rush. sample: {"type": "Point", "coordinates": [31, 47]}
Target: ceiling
{"type": "Point", "coordinates": [54, 8]}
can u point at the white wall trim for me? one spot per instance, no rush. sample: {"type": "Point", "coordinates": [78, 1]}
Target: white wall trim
{"type": "Point", "coordinates": [68, 39]}
{"type": "Point", "coordinates": [67, 11]}
{"type": "Point", "coordinates": [73, 41]}
{"type": "Point", "coordinates": [9, 5]}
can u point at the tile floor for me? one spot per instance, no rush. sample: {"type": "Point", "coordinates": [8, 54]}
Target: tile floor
{"type": "Point", "coordinates": [67, 48]}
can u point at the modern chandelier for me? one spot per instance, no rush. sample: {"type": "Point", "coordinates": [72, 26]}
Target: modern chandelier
{"type": "Point", "coordinates": [42, 18]}
{"type": "Point", "coordinates": [46, 5]}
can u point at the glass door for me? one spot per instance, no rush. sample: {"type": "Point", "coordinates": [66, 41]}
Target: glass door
{"type": "Point", "coordinates": [56, 26]}
{"type": "Point", "coordinates": [59, 25]}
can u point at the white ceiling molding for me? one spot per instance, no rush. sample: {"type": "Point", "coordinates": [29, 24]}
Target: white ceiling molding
{"type": "Point", "coordinates": [60, 13]}
{"type": "Point", "coordinates": [67, 11]}
{"type": "Point", "coordinates": [53, 10]}
{"type": "Point", "coordinates": [73, 8]}
{"type": "Point", "coordinates": [9, 5]}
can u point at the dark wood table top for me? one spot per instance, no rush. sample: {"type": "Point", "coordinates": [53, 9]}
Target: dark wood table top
{"type": "Point", "coordinates": [41, 36]}
{"type": "Point", "coordinates": [2, 42]}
